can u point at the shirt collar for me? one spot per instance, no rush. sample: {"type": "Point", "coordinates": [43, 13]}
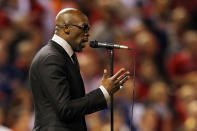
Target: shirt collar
{"type": "Point", "coordinates": [64, 44]}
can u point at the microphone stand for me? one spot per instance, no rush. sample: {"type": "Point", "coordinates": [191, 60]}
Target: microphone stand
{"type": "Point", "coordinates": [112, 97]}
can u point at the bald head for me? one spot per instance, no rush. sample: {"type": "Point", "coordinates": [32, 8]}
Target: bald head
{"type": "Point", "coordinates": [64, 11]}
{"type": "Point", "coordinates": [68, 16]}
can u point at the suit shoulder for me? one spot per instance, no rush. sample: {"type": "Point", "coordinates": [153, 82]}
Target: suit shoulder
{"type": "Point", "coordinates": [44, 53]}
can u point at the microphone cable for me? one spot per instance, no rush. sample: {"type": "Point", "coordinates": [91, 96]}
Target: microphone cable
{"type": "Point", "coordinates": [133, 90]}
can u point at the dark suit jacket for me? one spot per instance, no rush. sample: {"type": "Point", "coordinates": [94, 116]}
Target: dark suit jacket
{"type": "Point", "coordinates": [58, 92]}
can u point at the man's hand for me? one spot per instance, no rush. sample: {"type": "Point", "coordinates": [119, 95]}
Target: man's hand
{"type": "Point", "coordinates": [112, 84]}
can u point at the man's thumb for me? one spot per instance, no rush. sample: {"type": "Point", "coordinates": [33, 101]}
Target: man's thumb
{"type": "Point", "coordinates": [105, 73]}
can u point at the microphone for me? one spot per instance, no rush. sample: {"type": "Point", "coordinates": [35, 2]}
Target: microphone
{"type": "Point", "coordinates": [96, 44]}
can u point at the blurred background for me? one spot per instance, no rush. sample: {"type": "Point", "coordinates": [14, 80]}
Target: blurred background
{"type": "Point", "coordinates": [162, 32]}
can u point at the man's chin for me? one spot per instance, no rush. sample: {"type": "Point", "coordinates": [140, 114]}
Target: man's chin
{"type": "Point", "coordinates": [78, 50]}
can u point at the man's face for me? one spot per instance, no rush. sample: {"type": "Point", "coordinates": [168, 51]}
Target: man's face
{"type": "Point", "coordinates": [79, 33]}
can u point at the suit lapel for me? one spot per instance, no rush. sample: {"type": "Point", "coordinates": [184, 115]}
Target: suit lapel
{"type": "Point", "coordinates": [70, 63]}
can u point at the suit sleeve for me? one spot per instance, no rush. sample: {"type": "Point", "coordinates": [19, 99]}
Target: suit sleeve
{"type": "Point", "coordinates": [56, 87]}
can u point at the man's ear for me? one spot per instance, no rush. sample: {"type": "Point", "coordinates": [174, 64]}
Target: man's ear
{"type": "Point", "coordinates": [67, 30]}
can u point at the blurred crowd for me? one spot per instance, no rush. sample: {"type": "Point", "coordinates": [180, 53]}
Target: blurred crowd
{"type": "Point", "coordinates": [162, 33]}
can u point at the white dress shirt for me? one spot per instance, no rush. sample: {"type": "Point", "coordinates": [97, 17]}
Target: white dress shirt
{"type": "Point", "coordinates": [3, 128]}
{"type": "Point", "coordinates": [64, 44]}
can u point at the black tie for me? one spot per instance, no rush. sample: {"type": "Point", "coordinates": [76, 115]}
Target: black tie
{"type": "Point", "coordinates": [76, 63]}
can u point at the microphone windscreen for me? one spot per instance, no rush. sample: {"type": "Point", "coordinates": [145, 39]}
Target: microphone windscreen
{"type": "Point", "coordinates": [93, 44]}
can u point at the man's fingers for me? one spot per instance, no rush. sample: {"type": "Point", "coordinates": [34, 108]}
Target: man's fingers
{"type": "Point", "coordinates": [105, 75]}
{"type": "Point", "coordinates": [124, 80]}
{"type": "Point", "coordinates": [117, 74]}
{"type": "Point", "coordinates": [119, 83]}
{"type": "Point", "coordinates": [122, 77]}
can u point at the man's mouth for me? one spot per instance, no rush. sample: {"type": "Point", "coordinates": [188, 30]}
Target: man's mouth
{"type": "Point", "coordinates": [84, 40]}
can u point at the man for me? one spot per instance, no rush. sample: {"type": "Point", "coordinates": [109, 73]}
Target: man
{"type": "Point", "coordinates": [58, 91]}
